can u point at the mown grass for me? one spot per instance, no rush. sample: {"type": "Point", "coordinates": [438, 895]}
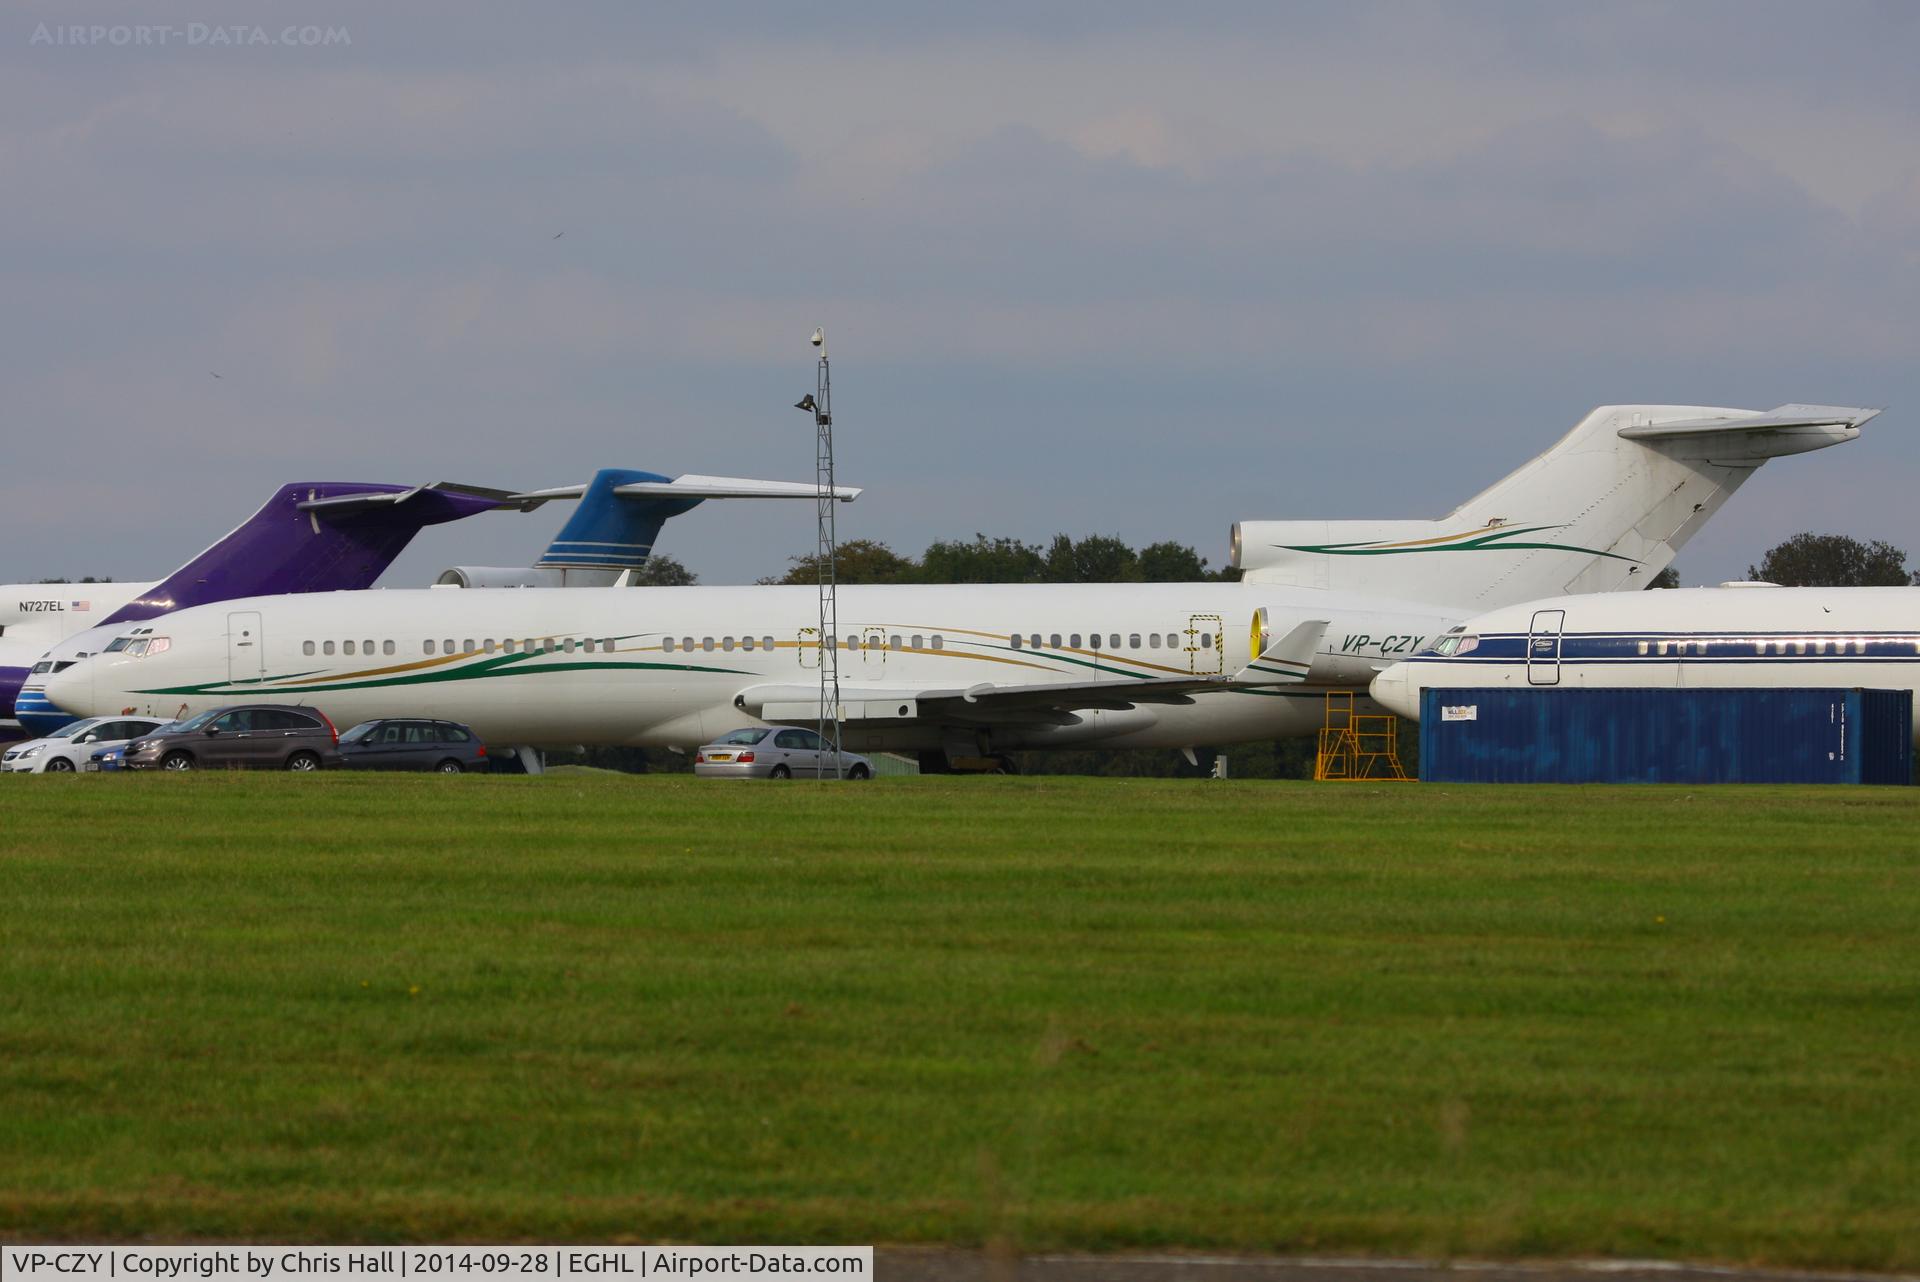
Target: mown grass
{"type": "Point", "coordinates": [1041, 1012]}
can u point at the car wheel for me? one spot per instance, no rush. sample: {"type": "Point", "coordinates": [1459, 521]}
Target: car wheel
{"type": "Point", "coordinates": [59, 766]}
{"type": "Point", "coordinates": [177, 761]}
{"type": "Point", "coordinates": [858, 771]}
{"type": "Point", "coordinates": [303, 761]}
{"type": "Point", "coordinates": [780, 772]}
{"type": "Point", "coordinates": [450, 767]}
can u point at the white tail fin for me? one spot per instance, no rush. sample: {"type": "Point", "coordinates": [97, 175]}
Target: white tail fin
{"type": "Point", "coordinates": [1606, 508]}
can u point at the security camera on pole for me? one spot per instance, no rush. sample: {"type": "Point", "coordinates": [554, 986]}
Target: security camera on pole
{"type": "Point", "coordinates": [821, 403]}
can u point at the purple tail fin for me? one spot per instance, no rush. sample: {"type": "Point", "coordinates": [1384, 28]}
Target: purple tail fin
{"type": "Point", "coordinates": [324, 536]}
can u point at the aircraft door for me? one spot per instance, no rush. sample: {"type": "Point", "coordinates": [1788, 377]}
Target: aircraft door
{"type": "Point", "coordinates": [246, 651]}
{"type": "Point", "coordinates": [873, 652]}
{"type": "Point", "coordinates": [808, 648]}
{"type": "Point", "coordinates": [1206, 648]}
{"type": "Point", "coordinates": [1543, 647]}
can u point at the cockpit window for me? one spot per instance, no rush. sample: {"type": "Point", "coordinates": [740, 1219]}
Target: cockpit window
{"type": "Point", "coordinates": [1456, 645]}
{"type": "Point", "coordinates": [117, 644]}
{"type": "Point", "coordinates": [137, 648]}
{"type": "Point", "coordinates": [45, 665]}
{"type": "Point", "coordinates": [159, 645]}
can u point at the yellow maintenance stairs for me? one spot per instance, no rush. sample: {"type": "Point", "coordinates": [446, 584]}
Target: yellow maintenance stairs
{"type": "Point", "coordinates": [1357, 745]}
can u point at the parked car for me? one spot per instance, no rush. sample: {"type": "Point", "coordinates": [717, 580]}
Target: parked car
{"type": "Point", "coordinates": [68, 748]}
{"type": "Point", "coordinates": [774, 752]}
{"type": "Point", "coordinates": [251, 736]}
{"type": "Point", "coordinates": [413, 744]}
{"type": "Point", "coordinates": [107, 758]}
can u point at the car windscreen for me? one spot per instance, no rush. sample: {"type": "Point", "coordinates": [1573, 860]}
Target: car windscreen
{"type": "Point", "coordinates": [749, 735]}
{"type": "Point", "coordinates": [194, 723]}
{"type": "Point", "coordinates": [67, 732]}
{"type": "Point", "coordinates": [357, 733]}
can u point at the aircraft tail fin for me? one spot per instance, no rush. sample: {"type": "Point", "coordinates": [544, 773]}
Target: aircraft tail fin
{"type": "Point", "coordinates": [621, 512]}
{"type": "Point", "coordinates": [325, 536]}
{"type": "Point", "coordinates": [1606, 508]}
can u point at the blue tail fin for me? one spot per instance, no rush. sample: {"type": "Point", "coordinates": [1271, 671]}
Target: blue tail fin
{"type": "Point", "coordinates": [609, 531]}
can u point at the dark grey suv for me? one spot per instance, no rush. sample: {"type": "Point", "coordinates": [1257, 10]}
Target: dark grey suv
{"type": "Point", "coordinates": [253, 736]}
{"type": "Point", "coordinates": [413, 743]}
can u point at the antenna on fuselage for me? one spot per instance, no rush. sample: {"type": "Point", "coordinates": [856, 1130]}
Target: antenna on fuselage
{"type": "Point", "coordinates": [826, 553]}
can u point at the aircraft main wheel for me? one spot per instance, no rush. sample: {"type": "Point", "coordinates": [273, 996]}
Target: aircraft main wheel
{"type": "Point", "coordinates": [450, 767]}
{"type": "Point", "coordinates": [303, 762]}
{"type": "Point", "coordinates": [59, 766]}
{"type": "Point", "coordinates": [780, 772]}
{"type": "Point", "coordinates": [858, 771]}
{"type": "Point", "coordinates": [178, 761]}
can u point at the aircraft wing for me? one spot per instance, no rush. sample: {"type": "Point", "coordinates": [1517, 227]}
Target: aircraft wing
{"type": "Point", "coordinates": [1781, 417]}
{"type": "Point", "coordinates": [1030, 703]}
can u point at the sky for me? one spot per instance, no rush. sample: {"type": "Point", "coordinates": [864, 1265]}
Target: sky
{"type": "Point", "coordinates": [1119, 268]}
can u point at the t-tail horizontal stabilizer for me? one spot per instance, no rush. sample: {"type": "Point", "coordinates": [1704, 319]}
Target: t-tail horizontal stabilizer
{"type": "Point", "coordinates": [312, 536]}
{"type": "Point", "coordinates": [612, 532]}
{"type": "Point", "coordinates": [1606, 508]}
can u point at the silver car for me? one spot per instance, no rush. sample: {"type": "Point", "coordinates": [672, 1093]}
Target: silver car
{"type": "Point", "coordinates": [71, 746]}
{"type": "Point", "coordinates": [774, 752]}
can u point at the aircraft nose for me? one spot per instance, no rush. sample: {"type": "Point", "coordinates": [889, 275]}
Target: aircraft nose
{"type": "Point", "coordinates": [1395, 691]}
{"type": "Point", "coordinates": [71, 692]}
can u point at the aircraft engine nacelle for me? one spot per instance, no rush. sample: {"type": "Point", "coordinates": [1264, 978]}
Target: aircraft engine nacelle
{"type": "Point", "coordinates": [503, 576]}
{"type": "Point", "coordinates": [1297, 551]}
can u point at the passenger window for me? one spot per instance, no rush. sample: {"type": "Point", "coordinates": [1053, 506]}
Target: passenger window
{"type": "Point", "coordinates": [1073, 642]}
{"type": "Point", "coordinates": [853, 642]}
{"type": "Point", "coordinates": [467, 645]}
{"type": "Point", "coordinates": [1206, 640]}
{"type": "Point", "coordinates": [448, 646]}
{"type": "Point", "coordinates": [1093, 641]}
{"type": "Point", "coordinates": [666, 644]}
{"type": "Point", "coordinates": [894, 642]}
{"type": "Point", "coordinates": [426, 647]}
{"type": "Point", "coordinates": [568, 647]}
{"type": "Point", "coordinates": [1113, 641]}
{"type": "Point", "coordinates": [386, 647]}
{"type": "Point", "coordinates": [346, 647]}
{"type": "Point", "coordinates": [937, 642]}
{"type": "Point", "coordinates": [392, 732]}
{"type": "Point", "coordinates": [726, 643]}
{"type": "Point", "coordinates": [766, 643]}
{"type": "Point", "coordinates": [1033, 639]}
{"type": "Point", "coordinates": [1133, 640]}
{"type": "Point", "coordinates": [506, 647]}
{"type": "Point", "coordinates": [1153, 641]}
{"type": "Point", "coordinates": [1016, 640]}
{"type": "Point", "coordinates": [366, 647]}
{"type": "Point", "coordinates": [706, 643]}
{"type": "Point", "coordinates": [326, 647]}
{"type": "Point", "coordinates": [917, 640]}
{"type": "Point", "coordinates": [789, 739]}
{"type": "Point", "coordinates": [234, 722]}
{"type": "Point", "coordinates": [587, 645]}
{"type": "Point", "coordinates": [419, 732]}
{"type": "Point", "coordinates": [306, 647]}
{"type": "Point", "coordinates": [532, 646]}
{"type": "Point", "coordinates": [686, 643]}
{"type": "Point", "coordinates": [748, 643]}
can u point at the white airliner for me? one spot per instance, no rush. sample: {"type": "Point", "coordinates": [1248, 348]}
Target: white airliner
{"type": "Point", "coordinates": [974, 671]}
{"type": "Point", "coordinates": [1747, 635]}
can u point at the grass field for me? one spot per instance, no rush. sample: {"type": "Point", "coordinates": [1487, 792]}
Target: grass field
{"type": "Point", "coordinates": [1040, 1012]}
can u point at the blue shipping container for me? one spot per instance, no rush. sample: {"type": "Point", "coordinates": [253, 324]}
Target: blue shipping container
{"type": "Point", "coordinates": [1593, 735]}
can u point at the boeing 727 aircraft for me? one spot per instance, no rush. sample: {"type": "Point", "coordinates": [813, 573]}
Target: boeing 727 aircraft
{"type": "Point", "coordinates": [1737, 635]}
{"type": "Point", "coordinates": [975, 671]}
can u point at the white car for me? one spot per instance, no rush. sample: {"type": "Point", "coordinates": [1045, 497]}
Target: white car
{"type": "Point", "coordinates": [69, 748]}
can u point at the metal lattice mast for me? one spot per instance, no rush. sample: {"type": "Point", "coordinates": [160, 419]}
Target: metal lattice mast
{"type": "Point", "coordinates": [826, 557]}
